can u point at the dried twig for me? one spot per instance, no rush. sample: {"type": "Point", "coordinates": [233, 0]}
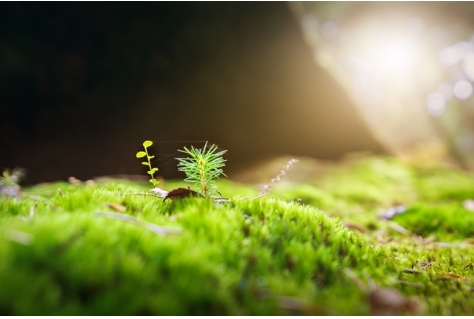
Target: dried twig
{"type": "Point", "coordinates": [411, 271]}
{"type": "Point", "coordinates": [276, 179]}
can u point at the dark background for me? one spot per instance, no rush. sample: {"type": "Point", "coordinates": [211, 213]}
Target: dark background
{"type": "Point", "coordinates": [83, 84]}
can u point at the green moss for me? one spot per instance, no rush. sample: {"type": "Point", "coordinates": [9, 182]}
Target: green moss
{"type": "Point", "coordinates": [244, 256]}
{"type": "Point", "coordinates": [444, 285]}
{"type": "Point", "coordinates": [371, 181]}
{"type": "Point", "coordinates": [228, 255]}
{"type": "Point", "coordinates": [445, 184]}
{"type": "Point", "coordinates": [305, 194]}
{"type": "Point", "coordinates": [446, 222]}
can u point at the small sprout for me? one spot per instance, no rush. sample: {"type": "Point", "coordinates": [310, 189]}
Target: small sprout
{"type": "Point", "coordinates": [9, 182]}
{"type": "Point", "coordinates": [12, 179]}
{"type": "Point", "coordinates": [152, 170]}
{"type": "Point", "coordinates": [202, 168]}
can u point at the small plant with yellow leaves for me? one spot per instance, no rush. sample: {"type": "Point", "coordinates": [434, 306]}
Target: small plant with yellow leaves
{"type": "Point", "coordinates": [152, 170]}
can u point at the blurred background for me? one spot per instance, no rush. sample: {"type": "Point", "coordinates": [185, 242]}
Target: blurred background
{"type": "Point", "coordinates": [407, 67]}
{"type": "Point", "coordinates": [83, 84]}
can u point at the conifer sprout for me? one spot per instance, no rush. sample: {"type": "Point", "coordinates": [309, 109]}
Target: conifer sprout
{"type": "Point", "coordinates": [202, 168]}
{"type": "Point", "coordinates": [152, 170]}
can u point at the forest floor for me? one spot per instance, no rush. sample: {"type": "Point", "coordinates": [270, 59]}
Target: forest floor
{"type": "Point", "coordinates": [366, 236]}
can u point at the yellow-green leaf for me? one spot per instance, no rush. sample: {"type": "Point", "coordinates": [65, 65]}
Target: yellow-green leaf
{"type": "Point", "coordinates": [147, 143]}
{"type": "Point", "coordinates": [141, 154]}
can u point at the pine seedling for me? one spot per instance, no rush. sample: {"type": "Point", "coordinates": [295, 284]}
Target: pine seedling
{"type": "Point", "coordinates": [152, 170]}
{"type": "Point", "coordinates": [202, 168]}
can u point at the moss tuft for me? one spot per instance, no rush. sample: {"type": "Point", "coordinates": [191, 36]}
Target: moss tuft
{"type": "Point", "coordinates": [275, 255]}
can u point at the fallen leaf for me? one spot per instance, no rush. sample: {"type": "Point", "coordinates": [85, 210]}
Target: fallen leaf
{"type": "Point", "coordinates": [116, 207]}
{"type": "Point", "coordinates": [302, 307]}
{"type": "Point", "coordinates": [389, 302]}
{"type": "Point", "coordinates": [384, 301]}
{"type": "Point", "coordinates": [181, 192]}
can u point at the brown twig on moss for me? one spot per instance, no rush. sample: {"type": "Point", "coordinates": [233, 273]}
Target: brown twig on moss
{"type": "Point", "coordinates": [276, 179]}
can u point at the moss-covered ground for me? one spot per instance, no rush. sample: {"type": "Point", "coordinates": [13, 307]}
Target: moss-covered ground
{"type": "Point", "coordinates": [64, 251]}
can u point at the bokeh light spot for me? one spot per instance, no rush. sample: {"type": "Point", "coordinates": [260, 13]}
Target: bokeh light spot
{"type": "Point", "coordinates": [451, 55]}
{"type": "Point", "coordinates": [436, 104]}
{"type": "Point", "coordinates": [463, 90]}
{"type": "Point", "coordinates": [385, 57]}
{"type": "Point", "coordinates": [456, 53]}
{"type": "Point", "coordinates": [468, 65]}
